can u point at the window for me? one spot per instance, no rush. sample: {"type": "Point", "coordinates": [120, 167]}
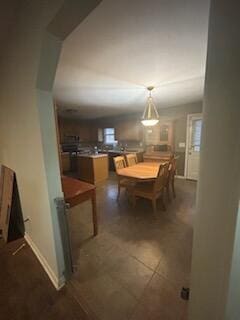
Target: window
{"type": "Point", "coordinates": [109, 135]}
{"type": "Point", "coordinates": [196, 134]}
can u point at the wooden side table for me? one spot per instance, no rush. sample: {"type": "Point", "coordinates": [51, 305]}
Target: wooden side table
{"type": "Point", "coordinates": [76, 192]}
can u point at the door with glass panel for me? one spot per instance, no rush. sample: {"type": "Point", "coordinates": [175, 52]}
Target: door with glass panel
{"type": "Point", "coordinates": [194, 130]}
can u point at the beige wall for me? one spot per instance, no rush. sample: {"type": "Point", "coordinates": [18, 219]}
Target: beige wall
{"type": "Point", "coordinates": [219, 183]}
{"type": "Point", "coordinates": [27, 128]}
{"type": "Point", "coordinates": [233, 306]}
{"type": "Point", "coordinates": [21, 144]}
{"type": "Point", "coordinates": [177, 114]}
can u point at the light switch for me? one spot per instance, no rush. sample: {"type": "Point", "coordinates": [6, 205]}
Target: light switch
{"type": "Point", "coordinates": [182, 144]}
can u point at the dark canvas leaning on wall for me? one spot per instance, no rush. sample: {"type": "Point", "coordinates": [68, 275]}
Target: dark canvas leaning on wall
{"type": "Point", "coordinates": [11, 219]}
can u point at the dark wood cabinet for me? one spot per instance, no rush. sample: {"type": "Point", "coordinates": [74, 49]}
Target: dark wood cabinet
{"type": "Point", "coordinates": [87, 132]}
{"type": "Point", "coordinates": [160, 134]}
{"type": "Point", "coordinates": [93, 168]}
{"type": "Point", "coordinates": [84, 133]}
{"type": "Point", "coordinates": [127, 130]}
{"type": "Point", "coordinates": [65, 158]}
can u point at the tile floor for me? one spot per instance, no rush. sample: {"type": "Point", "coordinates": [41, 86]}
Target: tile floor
{"type": "Point", "coordinates": [26, 291]}
{"type": "Point", "coordinates": [135, 268]}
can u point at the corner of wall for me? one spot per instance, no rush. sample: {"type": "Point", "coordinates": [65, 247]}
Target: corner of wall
{"type": "Point", "coordinates": [57, 281]}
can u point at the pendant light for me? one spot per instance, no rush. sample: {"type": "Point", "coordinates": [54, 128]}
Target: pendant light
{"type": "Point", "coordinates": [150, 115]}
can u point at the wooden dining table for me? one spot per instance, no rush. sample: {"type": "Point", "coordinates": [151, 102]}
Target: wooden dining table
{"type": "Point", "coordinates": [76, 192]}
{"type": "Point", "coordinates": [142, 171]}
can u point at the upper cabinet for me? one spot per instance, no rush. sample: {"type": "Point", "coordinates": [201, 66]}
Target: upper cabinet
{"type": "Point", "coordinates": [65, 129]}
{"type": "Point", "coordinates": [71, 128]}
{"type": "Point", "coordinates": [84, 133]}
{"type": "Point", "coordinates": [162, 133]}
{"type": "Point", "coordinates": [166, 133]}
{"type": "Point", "coordinates": [126, 130]}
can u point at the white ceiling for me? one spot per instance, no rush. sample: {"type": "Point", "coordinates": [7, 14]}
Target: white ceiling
{"type": "Point", "coordinates": [123, 47]}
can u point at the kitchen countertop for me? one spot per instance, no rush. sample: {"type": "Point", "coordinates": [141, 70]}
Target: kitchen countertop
{"type": "Point", "coordinates": [94, 156]}
{"type": "Point", "coordinates": [125, 151]}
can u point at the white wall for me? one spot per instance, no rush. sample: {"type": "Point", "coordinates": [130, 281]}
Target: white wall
{"type": "Point", "coordinates": [21, 144]}
{"type": "Point", "coordinates": [233, 307]}
{"type": "Point", "coordinates": [218, 192]}
{"type": "Point", "coordinates": [27, 131]}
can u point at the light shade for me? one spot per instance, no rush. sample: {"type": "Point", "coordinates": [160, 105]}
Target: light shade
{"type": "Point", "coordinates": [149, 123]}
{"type": "Point", "coordinates": [150, 115]}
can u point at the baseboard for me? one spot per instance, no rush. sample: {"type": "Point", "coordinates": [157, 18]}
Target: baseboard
{"type": "Point", "coordinates": [180, 177]}
{"type": "Point", "coordinates": [57, 282]}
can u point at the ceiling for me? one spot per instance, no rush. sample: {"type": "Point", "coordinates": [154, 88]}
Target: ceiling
{"type": "Point", "coordinates": [124, 46]}
{"type": "Point", "coordinates": [7, 17]}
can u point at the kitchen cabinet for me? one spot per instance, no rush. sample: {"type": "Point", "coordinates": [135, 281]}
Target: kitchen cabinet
{"type": "Point", "coordinates": [65, 158]}
{"type": "Point", "coordinates": [84, 133]}
{"type": "Point", "coordinates": [160, 134]}
{"type": "Point", "coordinates": [87, 133]}
{"type": "Point", "coordinates": [111, 155]}
{"type": "Point", "coordinates": [67, 128]}
{"type": "Point", "coordinates": [93, 133]}
{"type": "Point", "coordinates": [93, 168]}
{"type": "Point", "coordinates": [127, 130]}
{"type": "Point", "coordinates": [71, 128]}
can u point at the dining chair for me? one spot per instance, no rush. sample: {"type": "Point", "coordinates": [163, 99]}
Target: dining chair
{"type": "Point", "coordinates": [153, 190]}
{"type": "Point", "coordinates": [171, 177]}
{"type": "Point", "coordinates": [131, 159]}
{"type": "Point", "coordinates": [120, 163]}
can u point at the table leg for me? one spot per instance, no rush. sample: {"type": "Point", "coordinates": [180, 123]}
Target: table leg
{"type": "Point", "coordinates": [94, 214]}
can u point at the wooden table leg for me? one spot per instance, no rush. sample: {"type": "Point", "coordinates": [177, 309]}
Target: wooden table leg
{"type": "Point", "coordinates": [94, 214]}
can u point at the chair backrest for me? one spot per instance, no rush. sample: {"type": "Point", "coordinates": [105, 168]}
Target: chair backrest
{"type": "Point", "coordinates": [162, 178]}
{"type": "Point", "coordinates": [172, 167]}
{"type": "Point", "coordinates": [131, 159]}
{"type": "Point", "coordinates": [119, 163]}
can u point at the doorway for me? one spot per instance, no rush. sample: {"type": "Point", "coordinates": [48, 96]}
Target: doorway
{"type": "Point", "coordinates": [193, 145]}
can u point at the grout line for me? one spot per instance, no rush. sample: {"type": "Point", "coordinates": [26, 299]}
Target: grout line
{"type": "Point", "coordinates": [173, 285]}
{"type": "Point", "coordinates": [123, 287]}
{"type": "Point", "coordinates": [151, 269]}
{"type": "Point", "coordinates": [140, 298]}
{"type": "Point", "coordinates": [160, 275]}
{"type": "Point", "coordinates": [82, 302]}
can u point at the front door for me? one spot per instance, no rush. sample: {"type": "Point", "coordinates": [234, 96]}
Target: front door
{"type": "Point", "coordinates": [194, 129]}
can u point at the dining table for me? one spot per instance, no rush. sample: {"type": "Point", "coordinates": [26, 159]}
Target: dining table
{"type": "Point", "coordinates": [142, 171]}
{"type": "Point", "coordinates": [77, 191]}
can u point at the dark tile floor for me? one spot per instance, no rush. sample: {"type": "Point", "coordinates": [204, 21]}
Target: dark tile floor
{"type": "Point", "coordinates": [135, 268]}
{"type": "Point", "coordinates": [26, 293]}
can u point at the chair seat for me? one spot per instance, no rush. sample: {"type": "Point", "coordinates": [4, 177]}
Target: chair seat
{"type": "Point", "coordinates": [144, 187]}
{"type": "Point", "coordinates": [145, 190]}
{"type": "Point", "coordinates": [127, 183]}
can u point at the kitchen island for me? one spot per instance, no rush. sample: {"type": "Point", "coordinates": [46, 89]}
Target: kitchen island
{"type": "Point", "coordinates": [92, 168]}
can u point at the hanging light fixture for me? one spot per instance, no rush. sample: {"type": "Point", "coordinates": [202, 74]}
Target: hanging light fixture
{"type": "Point", "coordinates": [150, 115]}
